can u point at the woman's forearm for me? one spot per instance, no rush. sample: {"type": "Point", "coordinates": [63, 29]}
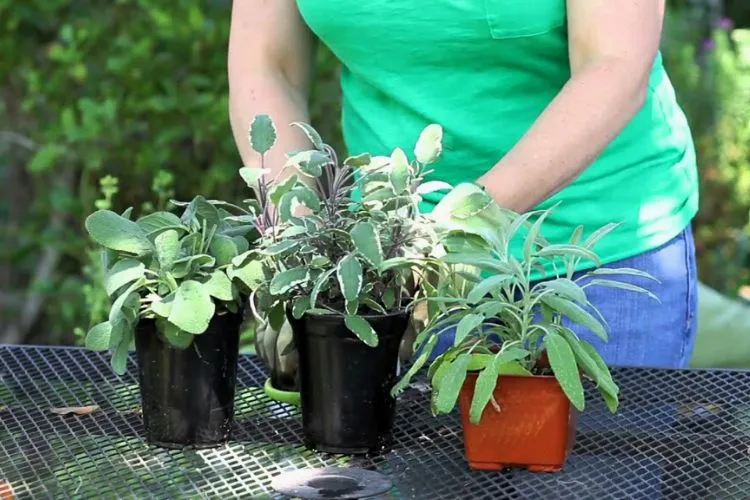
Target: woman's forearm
{"type": "Point", "coordinates": [579, 123]}
{"type": "Point", "coordinates": [267, 93]}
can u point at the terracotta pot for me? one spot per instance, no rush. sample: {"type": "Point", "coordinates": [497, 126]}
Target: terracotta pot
{"type": "Point", "coordinates": [535, 427]}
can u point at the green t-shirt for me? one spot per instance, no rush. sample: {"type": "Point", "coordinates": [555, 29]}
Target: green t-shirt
{"type": "Point", "coordinates": [485, 70]}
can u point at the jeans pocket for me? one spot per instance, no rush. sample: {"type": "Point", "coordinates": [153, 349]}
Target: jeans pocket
{"type": "Point", "coordinates": [691, 323]}
{"type": "Point", "coordinates": [521, 18]}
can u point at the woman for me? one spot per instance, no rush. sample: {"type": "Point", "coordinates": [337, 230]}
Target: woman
{"type": "Point", "coordinates": [541, 102]}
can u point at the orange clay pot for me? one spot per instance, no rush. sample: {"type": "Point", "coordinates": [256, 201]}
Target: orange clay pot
{"type": "Point", "coordinates": [535, 427]}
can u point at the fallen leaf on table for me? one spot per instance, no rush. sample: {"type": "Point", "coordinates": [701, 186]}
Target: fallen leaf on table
{"type": "Point", "coordinates": [3, 408]}
{"type": "Point", "coordinates": [6, 492]}
{"type": "Point", "coordinates": [77, 410]}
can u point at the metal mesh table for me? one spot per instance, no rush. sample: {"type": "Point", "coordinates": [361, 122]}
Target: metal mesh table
{"type": "Point", "coordinates": [680, 434]}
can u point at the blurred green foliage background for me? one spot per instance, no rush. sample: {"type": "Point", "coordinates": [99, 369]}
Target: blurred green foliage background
{"type": "Point", "coordinates": [124, 103]}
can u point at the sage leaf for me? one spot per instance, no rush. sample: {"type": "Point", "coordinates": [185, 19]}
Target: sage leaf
{"type": "Point", "coordinates": [623, 286]}
{"type": "Point", "coordinates": [173, 336]}
{"type": "Point", "coordinates": [484, 388]}
{"type": "Point", "coordinates": [262, 134]}
{"type": "Point", "coordinates": [626, 271]}
{"type": "Point", "coordinates": [320, 282]}
{"type": "Point", "coordinates": [97, 339]}
{"type": "Point", "coordinates": [281, 188]}
{"type": "Point", "coordinates": [163, 307]}
{"type": "Point", "coordinates": [284, 281]}
{"type": "Point", "coordinates": [219, 286]}
{"type": "Point", "coordinates": [600, 233]}
{"type": "Point", "coordinates": [567, 288]}
{"type": "Point", "coordinates": [429, 145]}
{"type": "Point", "coordinates": [487, 286]}
{"type": "Point", "coordinates": [362, 329]}
{"type": "Point", "coordinates": [119, 359]}
{"type": "Point", "coordinates": [361, 160]}
{"type": "Point", "coordinates": [433, 186]}
{"type": "Point", "coordinates": [309, 163]}
{"type": "Point", "coordinates": [367, 242]}
{"type": "Point", "coordinates": [159, 221]}
{"type": "Point", "coordinates": [302, 195]}
{"type": "Point", "coordinates": [531, 238]}
{"type": "Point", "coordinates": [167, 248]}
{"type": "Point", "coordinates": [251, 176]}
{"type": "Point", "coordinates": [399, 173]}
{"type": "Point", "coordinates": [349, 275]}
{"type": "Point", "coordinates": [576, 313]}
{"type": "Point", "coordinates": [193, 308]}
{"type": "Point", "coordinates": [399, 387]}
{"type": "Point", "coordinates": [467, 324]}
{"type": "Point", "coordinates": [223, 249]}
{"type": "Point", "coordinates": [311, 134]}
{"type": "Point", "coordinates": [444, 399]}
{"type": "Point", "coordinates": [118, 233]}
{"type": "Point", "coordinates": [300, 307]}
{"type": "Point", "coordinates": [122, 273]}
{"type": "Point", "coordinates": [564, 366]}
{"type": "Point", "coordinates": [472, 205]}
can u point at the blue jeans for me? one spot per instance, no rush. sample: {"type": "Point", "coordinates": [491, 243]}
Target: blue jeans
{"type": "Point", "coordinates": [642, 331]}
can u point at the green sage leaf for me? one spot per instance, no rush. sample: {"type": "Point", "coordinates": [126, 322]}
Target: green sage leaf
{"type": "Point", "coordinates": [97, 339]}
{"type": "Point", "coordinates": [219, 286]}
{"type": "Point", "coordinates": [223, 249]}
{"type": "Point", "coordinates": [118, 233]}
{"type": "Point", "coordinates": [564, 366]}
{"type": "Point", "coordinates": [159, 221]}
{"type": "Point", "coordinates": [445, 397]}
{"type": "Point", "coordinates": [122, 273]}
{"type": "Point", "coordinates": [311, 134]}
{"type": "Point", "coordinates": [167, 248]}
{"type": "Point", "coordinates": [193, 308]}
{"type": "Point", "coordinates": [576, 313]}
{"type": "Point", "coordinates": [468, 324]}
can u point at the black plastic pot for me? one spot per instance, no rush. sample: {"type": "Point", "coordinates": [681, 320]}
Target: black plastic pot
{"type": "Point", "coordinates": [188, 394]}
{"type": "Point", "coordinates": [345, 385]}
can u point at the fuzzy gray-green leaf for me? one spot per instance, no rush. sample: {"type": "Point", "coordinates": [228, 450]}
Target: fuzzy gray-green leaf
{"type": "Point", "coordinates": [117, 233]}
{"type": "Point", "coordinates": [219, 286]}
{"type": "Point", "coordinates": [467, 325]}
{"type": "Point", "coordinates": [399, 174]}
{"type": "Point", "coordinates": [193, 308]}
{"type": "Point", "coordinates": [97, 339]}
{"type": "Point", "coordinates": [362, 329]}
{"type": "Point", "coordinates": [175, 337]}
{"type": "Point", "coordinates": [367, 242]}
{"type": "Point", "coordinates": [223, 249]}
{"type": "Point", "coordinates": [349, 275]}
{"type": "Point", "coordinates": [576, 313]}
{"type": "Point", "coordinates": [446, 395]}
{"type": "Point", "coordinates": [485, 385]}
{"type": "Point", "coordinates": [122, 273]}
{"type": "Point", "coordinates": [262, 134]}
{"type": "Point", "coordinates": [281, 188]}
{"type": "Point", "coordinates": [159, 221]}
{"type": "Point", "coordinates": [167, 246]}
{"type": "Point", "coordinates": [567, 288]}
{"type": "Point", "coordinates": [564, 366]}
{"type": "Point", "coordinates": [487, 286]}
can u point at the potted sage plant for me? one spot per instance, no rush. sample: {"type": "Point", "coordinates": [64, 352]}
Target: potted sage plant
{"type": "Point", "coordinates": [513, 364]}
{"type": "Point", "coordinates": [344, 273]}
{"type": "Point", "coordinates": [178, 299]}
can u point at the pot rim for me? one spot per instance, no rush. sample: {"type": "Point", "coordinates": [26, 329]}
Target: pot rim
{"type": "Point", "coordinates": [341, 314]}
